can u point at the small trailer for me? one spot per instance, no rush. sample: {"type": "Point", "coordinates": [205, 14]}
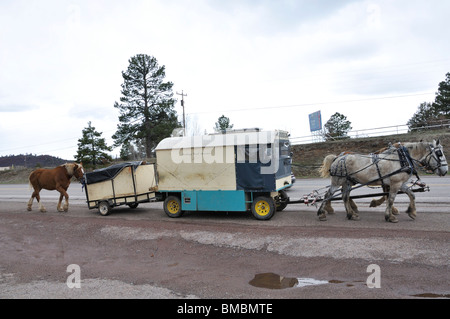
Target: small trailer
{"type": "Point", "coordinates": [238, 171]}
{"type": "Point", "coordinates": [128, 183]}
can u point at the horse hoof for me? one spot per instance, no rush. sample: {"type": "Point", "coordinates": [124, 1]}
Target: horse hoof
{"type": "Point", "coordinates": [43, 211]}
{"type": "Point", "coordinates": [355, 218]}
{"type": "Point", "coordinates": [29, 209]}
{"type": "Point", "coordinates": [322, 217]}
{"type": "Point", "coordinates": [391, 219]}
{"type": "Point", "coordinates": [373, 204]}
{"type": "Point", "coordinates": [412, 216]}
{"type": "Point", "coordinates": [395, 211]}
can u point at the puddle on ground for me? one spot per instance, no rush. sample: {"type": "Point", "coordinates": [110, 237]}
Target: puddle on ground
{"type": "Point", "coordinates": [274, 281]}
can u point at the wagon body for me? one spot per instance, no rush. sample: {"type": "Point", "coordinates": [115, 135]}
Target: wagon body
{"type": "Point", "coordinates": [122, 184]}
{"type": "Point", "coordinates": [224, 172]}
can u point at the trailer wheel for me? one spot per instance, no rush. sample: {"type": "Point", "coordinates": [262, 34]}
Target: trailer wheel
{"type": "Point", "coordinates": [103, 208]}
{"type": "Point", "coordinates": [263, 207]}
{"type": "Point", "coordinates": [133, 205]}
{"type": "Point", "coordinates": [282, 200]}
{"type": "Point", "coordinates": [172, 206]}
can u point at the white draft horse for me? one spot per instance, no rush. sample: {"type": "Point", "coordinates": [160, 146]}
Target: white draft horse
{"type": "Point", "coordinates": [391, 169]}
{"type": "Point", "coordinates": [57, 178]}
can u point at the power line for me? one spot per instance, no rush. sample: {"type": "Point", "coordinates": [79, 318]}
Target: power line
{"type": "Point", "coordinates": [315, 104]}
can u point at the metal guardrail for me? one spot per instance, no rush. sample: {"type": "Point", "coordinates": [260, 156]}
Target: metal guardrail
{"type": "Point", "coordinates": [371, 132]}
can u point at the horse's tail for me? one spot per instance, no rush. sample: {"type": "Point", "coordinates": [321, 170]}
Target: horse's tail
{"type": "Point", "coordinates": [324, 170]}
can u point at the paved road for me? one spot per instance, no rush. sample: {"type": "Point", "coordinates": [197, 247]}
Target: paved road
{"type": "Point", "coordinates": [142, 253]}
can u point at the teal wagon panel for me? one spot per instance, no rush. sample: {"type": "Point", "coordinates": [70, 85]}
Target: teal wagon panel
{"type": "Point", "coordinates": [232, 201]}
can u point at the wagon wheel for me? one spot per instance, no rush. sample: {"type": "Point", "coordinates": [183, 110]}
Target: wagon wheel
{"type": "Point", "coordinates": [104, 208]}
{"type": "Point", "coordinates": [282, 203]}
{"type": "Point", "coordinates": [172, 206]}
{"type": "Point", "coordinates": [263, 207]}
{"type": "Point", "coordinates": [133, 205]}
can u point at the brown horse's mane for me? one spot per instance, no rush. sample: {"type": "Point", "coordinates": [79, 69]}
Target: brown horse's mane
{"type": "Point", "coordinates": [70, 168]}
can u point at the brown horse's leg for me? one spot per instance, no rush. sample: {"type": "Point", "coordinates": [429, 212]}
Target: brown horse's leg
{"type": "Point", "coordinates": [41, 207]}
{"type": "Point", "coordinates": [30, 202]}
{"type": "Point", "coordinates": [59, 208]}
{"type": "Point", "coordinates": [63, 193]}
{"type": "Point", "coordinates": [38, 198]}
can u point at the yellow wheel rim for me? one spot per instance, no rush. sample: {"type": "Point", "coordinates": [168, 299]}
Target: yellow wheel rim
{"type": "Point", "coordinates": [173, 207]}
{"type": "Point", "coordinates": [262, 208]}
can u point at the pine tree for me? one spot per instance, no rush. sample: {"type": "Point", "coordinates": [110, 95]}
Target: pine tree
{"type": "Point", "coordinates": [92, 148]}
{"type": "Point", "coordinates": [147, 113]}
{"type": "Point", "coordinates": [222, 124]}
{"type": "Point", "coordinates": [431, 114]}
{"type": "Point", "coordinates": [442, 100]}
{"type": "Point", "coordinates": [337, 127]}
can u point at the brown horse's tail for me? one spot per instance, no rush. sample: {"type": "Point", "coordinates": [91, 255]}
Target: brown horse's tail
{"type": "Point", "coordinates": [324, 170]}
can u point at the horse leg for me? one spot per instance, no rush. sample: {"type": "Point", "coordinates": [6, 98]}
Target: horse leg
{"type": "Point", "coordinates": [411, 211]}
{"type": "Point", "coordinates": [377, 202]}
{"type": "Point", "coordinates": [63, 193]}
{"type": "Point", "coordinates": [59, 208]}
{"type": "Point", "coordinates": [41, 206]}
{"type": "Point", "coordinates": [30, 202]}
{"type": "Point", "coordinates": [354, 206]}
{"type": "Point", "coordinates": [388, 215]}
{"type": "Point", "coordinates": [326, 203]}
{"type": "Point", "coordinates": [348, 203]}
{"type": "Point", "coordinates": [328, 208]}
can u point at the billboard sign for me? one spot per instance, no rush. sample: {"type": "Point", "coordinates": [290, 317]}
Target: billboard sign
{"type": "Point", "coordinates": [315, 121]}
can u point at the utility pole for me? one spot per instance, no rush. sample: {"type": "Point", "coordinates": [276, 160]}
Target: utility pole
{"type": "Point", "coordinates": [182, 104]}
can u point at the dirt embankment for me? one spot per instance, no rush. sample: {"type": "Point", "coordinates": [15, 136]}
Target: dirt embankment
{"type": "Point", "coordinates": [308, 157]}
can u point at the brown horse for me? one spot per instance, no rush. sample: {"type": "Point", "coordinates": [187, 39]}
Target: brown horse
{"type": "Point", "coordinates": [57, 178]}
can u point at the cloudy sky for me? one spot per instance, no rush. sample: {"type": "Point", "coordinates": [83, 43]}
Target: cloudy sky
{"type": "Point", "coordinates": [262, 63]}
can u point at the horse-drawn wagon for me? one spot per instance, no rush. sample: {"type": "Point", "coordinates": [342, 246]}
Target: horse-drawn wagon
{"type": "Point", "coordinates": [236, 171]}
{"type": "Point", "coordinates": [121, 184]}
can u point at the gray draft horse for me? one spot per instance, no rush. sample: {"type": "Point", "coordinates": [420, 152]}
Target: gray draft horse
{"type": "Point", "coordinates": [391, 169]}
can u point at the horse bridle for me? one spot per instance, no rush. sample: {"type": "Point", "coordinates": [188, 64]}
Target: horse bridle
{"type": "Point", "coordinates": [436, 154]}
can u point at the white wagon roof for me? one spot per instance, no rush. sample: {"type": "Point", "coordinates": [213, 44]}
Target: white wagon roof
{"type": "Point", "coordinates": [229, 139]}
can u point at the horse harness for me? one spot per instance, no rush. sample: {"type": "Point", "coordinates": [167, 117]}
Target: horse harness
{"type": "Point", "coordinates": [405, 160]}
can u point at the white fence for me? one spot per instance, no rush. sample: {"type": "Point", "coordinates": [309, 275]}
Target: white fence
{"type": "Point", "coordinates": [371, 132]}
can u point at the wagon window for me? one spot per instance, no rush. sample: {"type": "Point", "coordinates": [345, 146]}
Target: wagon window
{"type": "Point", "coordinates": [285, 148]}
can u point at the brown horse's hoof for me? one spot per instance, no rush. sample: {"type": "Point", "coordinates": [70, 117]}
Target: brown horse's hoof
{"type": "Point", "coordinates": [322, 217]}
{"type": "Point", "coordinates": [354, 217]}
{"type": "Point", "coordinates": [29, 209]}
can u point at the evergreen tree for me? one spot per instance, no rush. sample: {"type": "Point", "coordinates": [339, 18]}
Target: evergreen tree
{"type": "Point", "coordinates": [442, 100]}
{"type": "Point", "coordinates": [147, 113]}
{"type": "Point", "coordinates": [222, 124]}
{"type": "Point", "coordinates": [92, 148]}
{"type": "Point", "coordinates": [430, 114]}
{"type": "Point", "coordinates": [337, 127]}
{"type": "Point", "coordinates": [421, 119]}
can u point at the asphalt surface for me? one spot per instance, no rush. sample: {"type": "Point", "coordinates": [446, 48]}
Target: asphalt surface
{"type": "Point", "coordinates": [142, 253]}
